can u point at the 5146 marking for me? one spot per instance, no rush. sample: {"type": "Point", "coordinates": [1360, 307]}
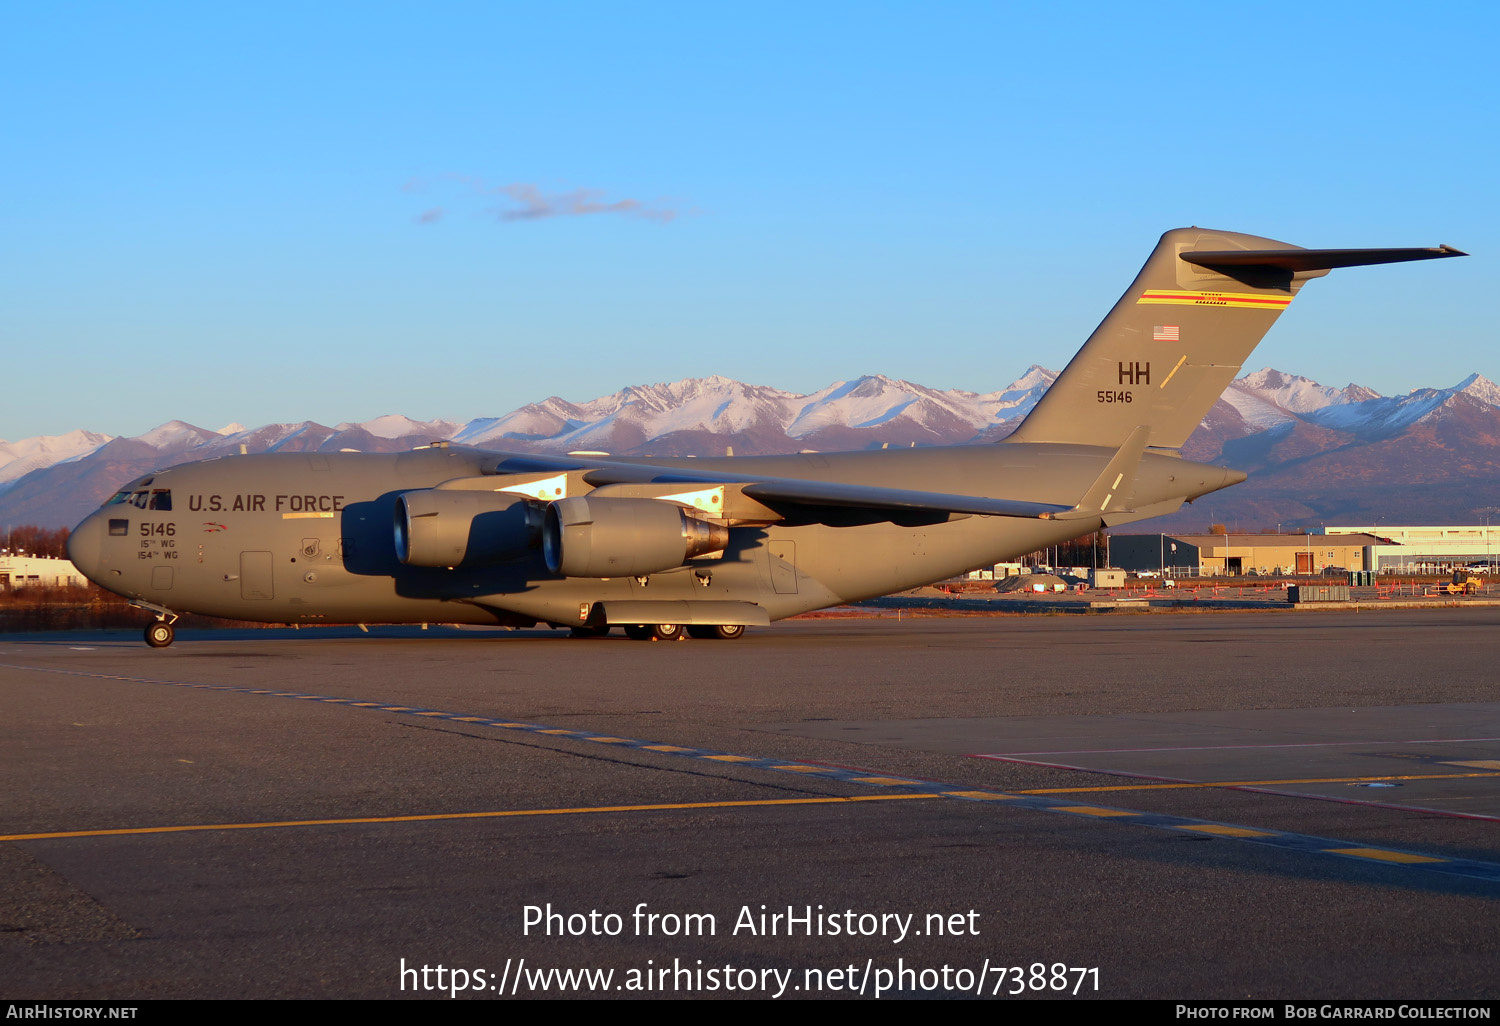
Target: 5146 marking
{"type": "Point", "coordinates": [157, 537]}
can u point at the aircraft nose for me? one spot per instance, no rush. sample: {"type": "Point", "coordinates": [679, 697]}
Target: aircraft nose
{"type": "Point", "coordinates": [86, 546]}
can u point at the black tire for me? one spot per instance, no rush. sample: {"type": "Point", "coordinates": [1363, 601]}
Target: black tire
{"type": "Point", "coordinates": [668, 631]}
{"type": "Point", "coordinates": [637, 632]}
{"type": "Point", "coordinates": [724, 631]}
{"type": "Point", "coordinates": [159, 634]}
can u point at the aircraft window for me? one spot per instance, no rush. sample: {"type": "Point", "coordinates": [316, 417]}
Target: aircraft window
{"type": "Point", "coordinates": [140, 500]}
{"type": "Point", "coordinates": [161, 498]}
{"type": "Point", "coordinates": [137, 494]}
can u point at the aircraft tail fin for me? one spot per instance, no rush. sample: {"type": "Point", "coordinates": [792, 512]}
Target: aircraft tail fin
{"type": "Point", "coordinates": [1180, 335]}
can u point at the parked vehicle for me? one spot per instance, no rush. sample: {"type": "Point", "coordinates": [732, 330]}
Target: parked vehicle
{"type": "Point", "coordinates": [1463, 583]}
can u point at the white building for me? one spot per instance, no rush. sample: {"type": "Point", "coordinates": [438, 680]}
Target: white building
{"type": "Point", "coordinates": [21, 571]}
{"type": "Point", "coordinates": [1422, 549]}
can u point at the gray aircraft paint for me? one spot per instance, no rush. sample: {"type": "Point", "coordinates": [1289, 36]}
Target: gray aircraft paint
{"type": "Point", "coordinates": [297, 538]}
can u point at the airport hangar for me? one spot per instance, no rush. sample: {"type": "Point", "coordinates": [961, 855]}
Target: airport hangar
{"type": "Point", "coordinates": [1381, 548]}
{"type": "Point", "coordinates": [1422, 549]}
{"type": "Point", "coordinates": [1218, 555]}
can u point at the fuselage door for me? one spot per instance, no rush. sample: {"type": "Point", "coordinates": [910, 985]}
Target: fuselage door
{"type": "Point", "coordinates": [782, 555]}
{"type": "Point", "coordinates": [255, 575]}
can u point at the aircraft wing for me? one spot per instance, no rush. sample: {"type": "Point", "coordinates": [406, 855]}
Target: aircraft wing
{"type": "Point", "coordinates": [825, 493]}
{"type": "Point", "coordinates": [777, 491]}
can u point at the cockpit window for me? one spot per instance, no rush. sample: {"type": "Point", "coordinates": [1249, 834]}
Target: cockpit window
{"type": "Point", "coordinates": [139, 499]}
{"type": "Point", "coordinates": [140, 495]}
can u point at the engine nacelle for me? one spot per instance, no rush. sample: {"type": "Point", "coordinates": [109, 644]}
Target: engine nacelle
{"type": "Point", "coordinates": [439, 527]}
{"type": "Point", "coordinates": [585, 537]}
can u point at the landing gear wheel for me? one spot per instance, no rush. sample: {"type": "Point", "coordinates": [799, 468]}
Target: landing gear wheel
{"type": "Point", "coordinates": [637, 632]}
{"type": "Point", "coordinates": [724, 631]}
{"type": "Point", "coordinates": [589, 632]}
{"type": "Point", "coordinates": [668, 631]}
{"type": "Point", "coordinates": [159, 634]}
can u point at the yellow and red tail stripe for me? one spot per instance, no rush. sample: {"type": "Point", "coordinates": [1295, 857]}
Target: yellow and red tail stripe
{"type": "Point", "coordinates": [1242, 300]}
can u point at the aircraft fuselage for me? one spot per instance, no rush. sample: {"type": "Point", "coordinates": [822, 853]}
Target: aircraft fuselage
{"type": "Point", "coordinates": [309, 538]}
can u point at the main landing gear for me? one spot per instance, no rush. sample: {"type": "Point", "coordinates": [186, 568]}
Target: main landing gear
{"type": "Point", "coordinates": [677, 631]}
{"type": "Point", "coordinates": [724, 631]}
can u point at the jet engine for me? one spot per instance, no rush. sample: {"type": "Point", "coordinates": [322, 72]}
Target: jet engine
{"type": "Point", "coordinates": [438, 527]}
{"type": "Point", "coordinates": [587, 537]}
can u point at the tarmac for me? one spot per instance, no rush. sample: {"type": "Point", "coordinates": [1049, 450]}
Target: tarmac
{"type": "Point", "coordinates": [1243, 805]}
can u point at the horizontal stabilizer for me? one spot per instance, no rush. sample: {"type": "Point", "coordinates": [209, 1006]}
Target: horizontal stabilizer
{"type": "Point", "coordinates": [1314, 259]}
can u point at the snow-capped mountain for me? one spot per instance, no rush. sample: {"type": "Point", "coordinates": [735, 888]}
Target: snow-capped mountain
{"type": "Point", "coordinates": [1317, 455]}
{"type": "Point", "coordinates": [1311, 448]}
{"type": "Point", "coordinates": [720, 406]}
{"type": "Point", "coordinates": [17, 459]}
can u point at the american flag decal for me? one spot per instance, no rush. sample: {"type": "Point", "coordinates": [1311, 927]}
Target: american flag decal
{"type": "Point", "coordinates": [1166, 333]}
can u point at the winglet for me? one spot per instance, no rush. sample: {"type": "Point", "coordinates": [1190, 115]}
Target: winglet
{"type": "Point", "coordinates": [1117, 479]}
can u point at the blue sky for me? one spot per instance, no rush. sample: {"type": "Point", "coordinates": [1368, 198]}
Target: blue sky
{"type": "Point", "coordinates": [280, 212]}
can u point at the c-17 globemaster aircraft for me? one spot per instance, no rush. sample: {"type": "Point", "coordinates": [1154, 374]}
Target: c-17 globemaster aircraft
{"type": "Point", "coordinates": [450, 534]}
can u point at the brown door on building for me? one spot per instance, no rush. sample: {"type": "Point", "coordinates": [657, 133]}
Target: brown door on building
{"type": "Point", "coordinates": [1304, 563]}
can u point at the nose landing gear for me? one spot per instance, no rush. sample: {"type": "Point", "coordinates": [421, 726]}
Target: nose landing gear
{"type": "Point", "coordinates": [160, 633]}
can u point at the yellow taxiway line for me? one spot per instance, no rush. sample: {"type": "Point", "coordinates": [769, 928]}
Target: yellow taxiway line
{"type": "Point", "coordinates": [461, 815]}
